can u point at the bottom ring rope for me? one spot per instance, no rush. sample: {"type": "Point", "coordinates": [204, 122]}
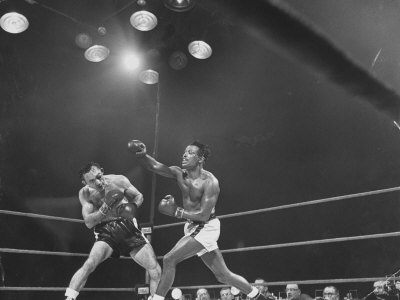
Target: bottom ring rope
{"type": "Point", "coordinates": [193, 287]}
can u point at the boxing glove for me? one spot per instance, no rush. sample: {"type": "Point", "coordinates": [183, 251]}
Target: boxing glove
{"type": "Point", "coordinates": [127, 210]}
{"type": "Point", "coordinates": [137, 147]}
{"type": "Point", "coordinates": [168, 207]}
{"type": "Point", "coordinates": [110, 200]}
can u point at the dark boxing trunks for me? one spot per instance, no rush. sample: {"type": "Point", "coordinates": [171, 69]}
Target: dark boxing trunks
{"type": "Point", "coordinates": [122, 235]}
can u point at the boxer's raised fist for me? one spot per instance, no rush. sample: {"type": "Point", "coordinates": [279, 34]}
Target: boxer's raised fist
{"type": "Point", "coordinates": [137, 147]}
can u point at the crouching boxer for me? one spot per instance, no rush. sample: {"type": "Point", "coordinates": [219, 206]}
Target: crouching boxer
{"type": "Point", "coordinates": [200, 190]}
{"type": "Point", "coordinates": [109, 207]}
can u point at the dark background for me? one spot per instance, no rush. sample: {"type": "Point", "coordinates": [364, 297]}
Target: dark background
{"type": "Point", "coordinates": [285, 120]}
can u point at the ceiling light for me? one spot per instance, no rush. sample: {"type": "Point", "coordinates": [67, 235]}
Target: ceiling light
{"type": "Point", "coordinates": [97, 53]}
{"type": "Point", "coordinates": [143, 20]}
{"type": "Point", "coordinates": [200, 49]}
{"type": "Point", "coordinates": [14, 22]}
{"type": "Point", "coordinates": [149, 76]}
{"type": "Point", "coordinates": [177, 60]}
{"type": "Point", "coordinates": [83, 40]}
{"type": "Point", "coordinates": [179, 5]}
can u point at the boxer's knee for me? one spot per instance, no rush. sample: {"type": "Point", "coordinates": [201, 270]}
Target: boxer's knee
{"type": "Point", "coordinates": [155, 273]}
{"type": "Point", "coordinates": [169, 261]}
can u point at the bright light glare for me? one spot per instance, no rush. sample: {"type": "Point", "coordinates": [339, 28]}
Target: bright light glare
{"type": "Point", "coordinates": [130, 61]}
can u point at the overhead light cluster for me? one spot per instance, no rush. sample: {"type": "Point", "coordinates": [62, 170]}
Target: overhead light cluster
{"type": "Point", "coordinates": [143, 20]}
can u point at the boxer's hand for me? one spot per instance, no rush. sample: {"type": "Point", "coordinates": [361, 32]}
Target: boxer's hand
{"type": "Point", "coordinates": [168, 207]}
{"type": "Point", "coordinates": [137, 147]}
{"type": "Point", "coordinates": [127, 211]}
{"type": "Point", "coordinates": [111, 199]}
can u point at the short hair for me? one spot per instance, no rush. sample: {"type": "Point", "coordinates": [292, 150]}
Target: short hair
{"type": "Point", "coordinates": [204, 150]}
{"type": "Point", "coordinates": [225, 288]}
{"type": "Point", "coordinates": [86, 168]}
{"type": "Point", "coordinates": [334, 288]}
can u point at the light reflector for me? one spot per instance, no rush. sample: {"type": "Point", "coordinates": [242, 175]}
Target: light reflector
{"type": "Point", "coordinates": [200, 49]}
{"type": "Point", "coordinates": [143, 20]}
{"type": "Point", "coordinates": [149, 76]}
{"type": "Point", "coordinates": [97, 53]}
{"type": "Point", "coordinates": [14, 22]}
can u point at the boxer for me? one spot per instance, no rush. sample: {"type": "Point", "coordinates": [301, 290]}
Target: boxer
{"type": "Point", "coordinates": [200, 190]}
{"type": "Point", "coordinates": [109, 207]}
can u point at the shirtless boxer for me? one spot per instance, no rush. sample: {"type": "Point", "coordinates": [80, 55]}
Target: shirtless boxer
{"type": "Point", "coordinates": [109, 206]}
{"type": "Point", "coordinates": [200, 190]}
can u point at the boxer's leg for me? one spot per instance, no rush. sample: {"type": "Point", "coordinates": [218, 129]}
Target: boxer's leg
{"type": "Point", "coordinates": [99, 253]}
{"type": "Point", "coordinates": [216, 263]}
{"type": "Point", "coordinates": [146, 258]}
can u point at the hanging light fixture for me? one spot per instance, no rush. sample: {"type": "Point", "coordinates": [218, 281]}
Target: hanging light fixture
{"type": "Point", "coordinates": [97, 53]}
{"type": "Point", "coordinates": [83, 40]}
{"type": "Point", "coordinates": [14, 22]}
{"type": "Point", "coordinates": [179, 5]}
{"type": "Point", "coordinates": [200, 49]}
{"type": "Point", "coordinates": [149, 76]}
{"type": "Point", "coordinates": [178, 60]}
{"type": "Point", "coordinates": [143, 20]}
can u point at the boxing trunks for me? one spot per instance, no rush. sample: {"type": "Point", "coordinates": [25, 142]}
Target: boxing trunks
{"type": "Point", "coordinates": [121, 235]}
{"type": "Point", "coordinates": [206, 233]}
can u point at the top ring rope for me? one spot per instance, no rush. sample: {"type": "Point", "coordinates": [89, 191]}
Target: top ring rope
{"type": "Point", "coordinates": [280, 207]}
{"type": "Point", "coordinates": [250, 212]}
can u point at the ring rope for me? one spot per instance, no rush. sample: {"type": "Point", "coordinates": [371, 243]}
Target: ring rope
{"type": "Point", "coordinates": [280, 207]}
{"type": "Point", "coordinates": [25, 251]}
{"type": "Point", "coordinates": [253, 248]}
{"type": "Point", "coordinates": [23, 288]}
{"type": "Point", "coordinates": [274, 283]}
{"type": "Point", "coordinates": [32, 215]}
{"type": "Point", "coordinates": [286, 206]}
{"type": "Point", "coordinates": [314, 242]}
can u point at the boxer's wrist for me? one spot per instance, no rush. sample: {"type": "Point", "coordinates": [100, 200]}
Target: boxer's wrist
{"type": "Point", "coordinates": [179, 212]}
{"type": "Point", "coordinates": [104, 209]}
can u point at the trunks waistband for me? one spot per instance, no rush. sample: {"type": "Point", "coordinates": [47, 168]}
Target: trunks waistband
{"type": "Point", "coordinates": [212, 216]}
{"type": "Point", "coordinates": [108, 221]}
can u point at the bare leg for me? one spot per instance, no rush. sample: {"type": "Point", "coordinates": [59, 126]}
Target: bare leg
{"type": "Point", "coordinates": [99, 253]}
{"type": "Point", "coordinates": [215, 262]}
{"type": "Point", "coordinates": [146, 258]}
{"type": "Point", "coordinates": [186, 247]}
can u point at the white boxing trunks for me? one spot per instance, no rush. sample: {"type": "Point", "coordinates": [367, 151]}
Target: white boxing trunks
{"type": "Point", "coordinates": [206, 234]}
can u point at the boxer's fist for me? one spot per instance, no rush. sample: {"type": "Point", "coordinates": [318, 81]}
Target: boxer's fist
{"type": "Point", "coordinates": [168, 207]}
{"type": "Point", "coordinates": [127, 211]}
{"type": "Point", "coordinates": [137, 147]}
{"type": "Point", "coordinates": [110, 200]}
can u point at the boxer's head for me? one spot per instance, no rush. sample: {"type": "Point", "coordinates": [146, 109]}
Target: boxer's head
{"type": "Point", "coordinates": [92, 175]}
{"type": "Point", "coordinates": [195, 155]}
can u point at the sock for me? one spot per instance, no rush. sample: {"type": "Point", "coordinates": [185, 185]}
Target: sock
{"type": "Point", "coordinates": [71, 294]}
{"type": "Point", "coordinates": [254, 292]}
{"type": "Point", "coordinates": [158, 297]}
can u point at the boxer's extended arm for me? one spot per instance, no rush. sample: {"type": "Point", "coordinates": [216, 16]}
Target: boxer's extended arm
{"type": "Point", "coordinates": [153, 165]}
{"type": "Point", "coordinates": [139, 148]}
{"type": "Point", "coordinates": [90, 215]}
